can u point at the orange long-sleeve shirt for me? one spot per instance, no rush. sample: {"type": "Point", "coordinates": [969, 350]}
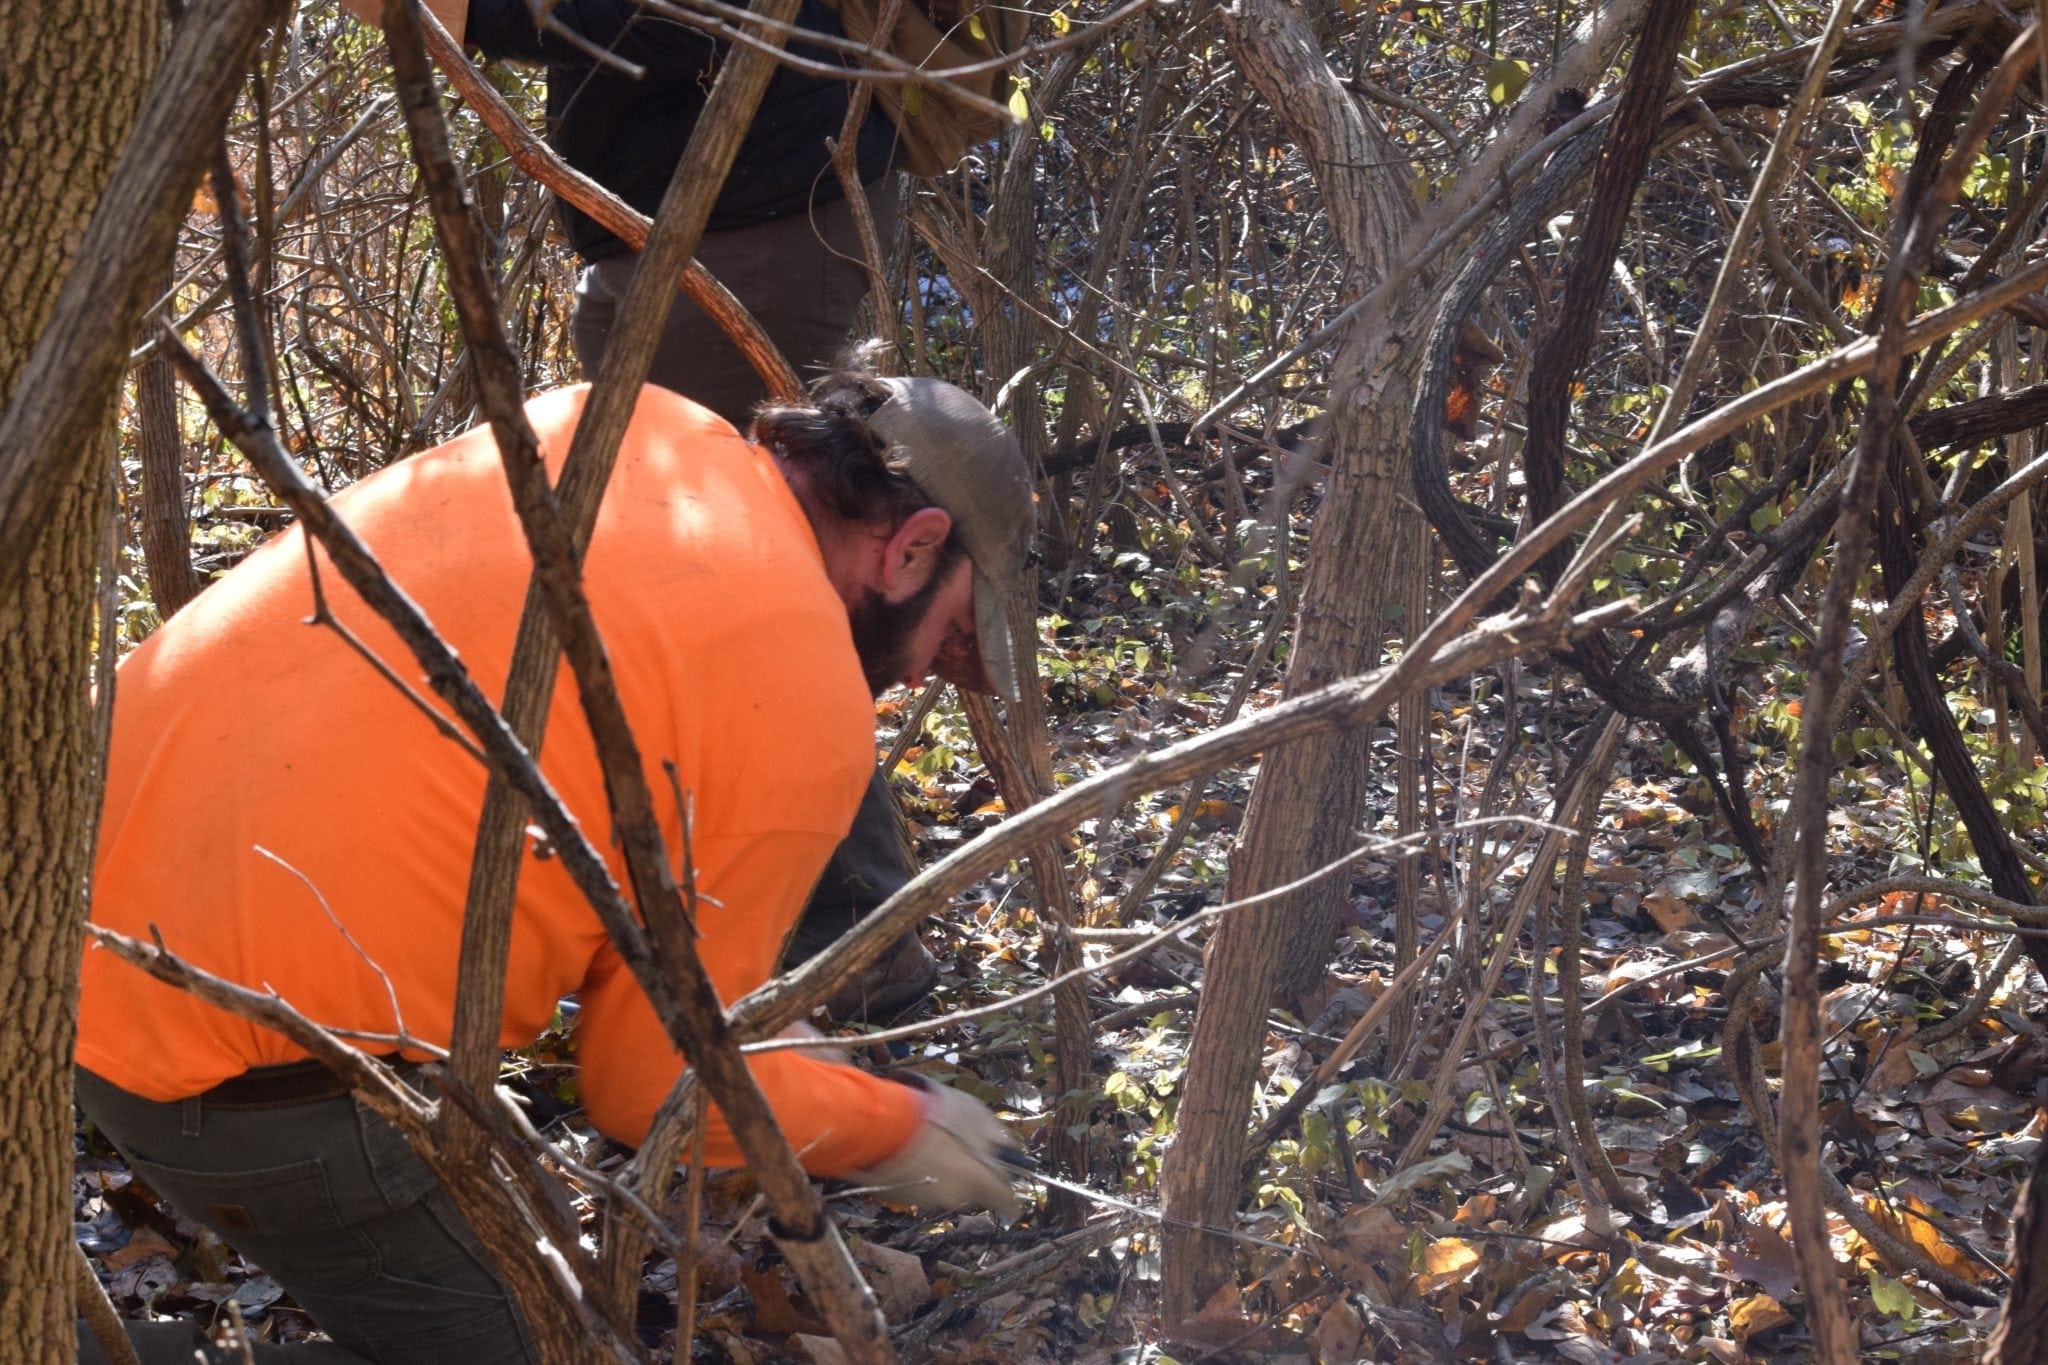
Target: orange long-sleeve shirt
{"type": "Point", "coordinates": [286, 818]}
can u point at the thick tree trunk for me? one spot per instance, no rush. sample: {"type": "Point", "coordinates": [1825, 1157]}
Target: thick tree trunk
{"type": "Point", "coordinates": [75, 183]}
{"type": "Point", "coordinates": [77, 73]}
{"type": "Point", "coordinates": [1304, 811]}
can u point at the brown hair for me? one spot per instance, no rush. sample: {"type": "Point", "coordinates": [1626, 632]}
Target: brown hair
{"type": "Point", "coordinates": [847, 466]}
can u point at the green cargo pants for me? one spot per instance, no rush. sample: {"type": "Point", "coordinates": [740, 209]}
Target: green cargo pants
{"type": "Point", "coordinates": [329, 1200]}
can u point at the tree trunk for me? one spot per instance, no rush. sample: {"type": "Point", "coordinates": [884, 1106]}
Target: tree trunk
{"type": "Point", "coordinates": [160, 449]}
{"type": "Point", "coordinates": [74, 181]}
{"type": "Point", "coordinates": [77, 74]}
{"type": "Point", "coordinates": [1309, 798]}
{"type": "Point", "coordinates": [2021, 1325]}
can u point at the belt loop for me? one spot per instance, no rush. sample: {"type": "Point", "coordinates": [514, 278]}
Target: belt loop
{"type": "Point", "coordinates": [189, 1116]}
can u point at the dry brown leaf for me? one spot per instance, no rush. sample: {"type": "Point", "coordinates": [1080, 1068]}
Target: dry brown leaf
{"type": "Point", "coordinates": [1225, 1305]}
{"type": "Point", "coordinates": [1523, 1312]}
{"type": "Point", "coordinates": [1671, 913]}
{"type": "Point", "coordinates": [822, 1350]}
{"type": "Point", "coordinates": [1767, 1260]}
{"type": "Point", "coordinates": [1372, 1232]}
{"type": "Point", "coordinates": [1895, 1068]}
{"type": "Point", "coordinates": [1339, 1333]}
{"type": "Point", "coordinates": [144, 1244]}
{"type": "Point", "coordinates": [1358, 1274]}
{"type": "Point", "coordinates": [774, 1313]}
{"type": "Point", "coordinates": [1477, 1211]}
{"type": "Point", "coordinates": [897, 1277]}
{"type": "Point", "coordinates": [1447, 1254]}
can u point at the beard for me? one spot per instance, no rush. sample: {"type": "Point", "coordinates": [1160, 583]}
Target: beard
{"type": "Point", "coordinates": [882, 632]}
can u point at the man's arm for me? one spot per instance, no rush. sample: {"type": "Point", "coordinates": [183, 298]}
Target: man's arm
{"type": "Point", "coordinates": [920, 1143]}
{"type": "Point", "coordinates": [838, 1119]}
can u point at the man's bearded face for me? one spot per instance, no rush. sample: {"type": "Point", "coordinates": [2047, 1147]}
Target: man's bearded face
{"type": "Point", "coordinates": [883, 631]}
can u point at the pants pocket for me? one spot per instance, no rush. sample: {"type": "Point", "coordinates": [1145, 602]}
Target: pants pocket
{"type": "Point", "coordinates": [284, 1218]}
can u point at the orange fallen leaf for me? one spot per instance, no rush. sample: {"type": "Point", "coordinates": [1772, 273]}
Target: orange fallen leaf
{"type": "Point", "coordinates": [1919, 1224]}
{"type": "Point", "coordinates": [144, 1244]}
{"type": "Point", "coordinates": [1671, 913]}
{"type": "Point", "coordinates": [1477, 1210]}
{"type": "Point", "coordinates": [1449, 1260]}
{"type": "Point", "coordinates": [1524, 1311]}
{"type": "Point", "coordinates": [1757, 1313]}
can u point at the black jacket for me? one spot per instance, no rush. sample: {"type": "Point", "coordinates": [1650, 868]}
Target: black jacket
{"type": "Point", "coordinates": [629, 134]}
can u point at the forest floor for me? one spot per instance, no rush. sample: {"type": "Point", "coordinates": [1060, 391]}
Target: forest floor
{"type": "Point", "coordinates": [1484, 1248]}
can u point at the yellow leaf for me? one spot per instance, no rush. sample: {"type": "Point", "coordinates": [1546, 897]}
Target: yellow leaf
{"type": "Point", "coordinates": [1060, 22]}
{"type": "Point", "coordinates": [1020, 108]}
{"type": "Point", "coordinates": [1449, 1253]}
{"type": "Point", "coordinates": [1757, 1313]}
{"type": "Point", "coordinates": [1449, 1260]}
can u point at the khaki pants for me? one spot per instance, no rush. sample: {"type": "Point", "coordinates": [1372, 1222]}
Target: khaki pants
{"type": "Point", "coordinates": [801, 277]}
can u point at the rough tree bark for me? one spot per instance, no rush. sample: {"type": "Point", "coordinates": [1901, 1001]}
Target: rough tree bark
{"type": "Point", "coordinates": [2024, 1320]}
{"type": "Point", "coordinates": [62, 120]}
{"type": "Point", "coordinates": [160, 448]}
{"type": "Point", "coordinates": [92, 212]}
{"type": "Point", "coordinates": [1310, 798]}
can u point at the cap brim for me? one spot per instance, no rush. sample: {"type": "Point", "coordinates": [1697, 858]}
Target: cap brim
{"type": "Point", "coordinates": [992, 636]}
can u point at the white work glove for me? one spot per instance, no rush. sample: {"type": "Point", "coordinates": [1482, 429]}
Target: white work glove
{"type": "Point", "coordinates": [960, 1155]}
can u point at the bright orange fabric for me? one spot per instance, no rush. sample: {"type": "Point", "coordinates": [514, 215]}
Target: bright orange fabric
{"type": "Point", "coordinates": [286, 818]}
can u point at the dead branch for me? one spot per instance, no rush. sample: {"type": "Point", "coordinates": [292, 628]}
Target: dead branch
{"type": "Point", "coordinates": [697, 1022]}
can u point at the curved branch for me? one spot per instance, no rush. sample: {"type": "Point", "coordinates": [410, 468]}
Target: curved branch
{"type": "Point", "coordinates": [1562, 350]}
{"type": "Point", "coordinates": [610, 212]}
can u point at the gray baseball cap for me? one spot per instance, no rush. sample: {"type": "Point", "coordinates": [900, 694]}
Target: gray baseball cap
{"type": "Point", "coordinates": [969, 465]}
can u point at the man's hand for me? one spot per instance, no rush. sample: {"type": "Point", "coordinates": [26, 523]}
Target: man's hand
{"type": "Point", "coordinates": [960, 1155]}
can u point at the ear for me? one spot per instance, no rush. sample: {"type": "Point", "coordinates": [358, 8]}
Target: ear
{"type": "Point", "coordinates": [913, 552]}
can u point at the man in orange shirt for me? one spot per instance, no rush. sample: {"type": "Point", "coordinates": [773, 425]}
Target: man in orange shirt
{"type": "Point", "coordinates": [286, 818]}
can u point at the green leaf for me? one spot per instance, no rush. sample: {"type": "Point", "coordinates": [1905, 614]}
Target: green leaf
{"type": "Point", "coordinates": [1893, 1299]}
{"type": "Point", "coordinates": [974, 27]}
{"type": "Point", "coordinates": [1020, 108]}
{"type": "Point", "coordinates": [1505, 79]}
